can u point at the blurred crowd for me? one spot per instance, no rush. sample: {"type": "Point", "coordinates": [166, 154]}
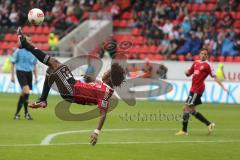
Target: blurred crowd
{"type": "Point", "coordinates": [58, 13]}
{"type": "Point", "coordinates": [170, 24]}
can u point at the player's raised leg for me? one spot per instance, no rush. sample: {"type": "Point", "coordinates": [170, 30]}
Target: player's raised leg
{"type": "Point", "coordinates": [40, 55]}
{"type": "Point", "coordinates": [66, 79]}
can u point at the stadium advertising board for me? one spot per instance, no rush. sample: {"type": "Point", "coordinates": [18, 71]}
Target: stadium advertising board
{"type": "Point", "coordinates": [213, 92]}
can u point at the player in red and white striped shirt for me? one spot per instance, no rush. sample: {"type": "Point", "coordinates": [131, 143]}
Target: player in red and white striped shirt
{"type": "Point", "coordinates": [199, 70]}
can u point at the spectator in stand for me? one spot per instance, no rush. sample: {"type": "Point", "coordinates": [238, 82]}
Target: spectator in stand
{"type": "Point", "coordinates": [182, 10]}
{"type": "Point", "coordinates": [172, 11]}
{"type": "Point", "coordinates": [168, 27]}
{"type": "Point", "coordinates": [114, 9]}
{"type": "Point", "coordinates": [48, 17]}
{"type": "Point", "coordinates": [53, 41]}
{"type": "Point", "coordinates": [227, 21]}
{"type": "Point", "coordinates": [154, 34]}
{"type": "Point", "coordinates": [223, 5]}
{"type": "Point", "coordinates": [228, 46]}
{"type": "Point", "coordinates": [237, 43]}
{"type": "Point", "coordinates": [194, 23]}
{"type": "Point", "coordinates": [195, 44]}
{"type": "Point", "coordinates": [188, 57]}
{"type": "Point", "coordinates": [199, 33]}
{"type": "Point", "coordinates": [147, 70]}
{"type": "Point", "coordinates": [162, 71]}
{"type": "Point", "coordinates": [186, 25]}
{"type": "Point", "coordinates": [160, 10]}
{"type": "Point", "coordinates": [13, 17]}
{"type": "Point", "coordinates": [211, 45]}
{"type": "Point", "coordinates": [192, 45]}
{"type": "Point", "coordinates": [132, 71]}
{"type": "Point", "coordinates": [71, 19]}
{"type": "Point", "coordinates": [57, 7]}
{"type": "Point", "coordinates": [221, 36]}
{"type": "Point", "coordinates": [212, 19]}
{"type": "Point", "coordinates": [77, 11]}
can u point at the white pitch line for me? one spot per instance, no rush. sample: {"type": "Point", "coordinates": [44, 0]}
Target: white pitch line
{"type": "Point", "coordinates": [117, 143]}
{"type": "Point", "coordinates": [48, 138]}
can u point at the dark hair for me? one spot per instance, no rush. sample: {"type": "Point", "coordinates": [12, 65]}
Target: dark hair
{"type": "Point", "coordinates": [117, 74]}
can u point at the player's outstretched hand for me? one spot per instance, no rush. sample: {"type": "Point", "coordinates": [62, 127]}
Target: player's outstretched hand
{"type": "Point", "coordinates": [13, 80]}
{"type": "Point", "coordinates": [226, 90]}
{"type": "Point", "coordinates": [19, 31]}
{"type": "Point", "coordinates": [93, 138]}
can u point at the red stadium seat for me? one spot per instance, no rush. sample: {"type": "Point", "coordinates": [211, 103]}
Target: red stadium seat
{"type": "Point", "coordinates": [7, 37]}
{"type": "Point", "coordinates": [144, 49]}
{"type": "Point", "coordinates": [35, 38]}
{"type": "Point", "coordinates": [39, 30]}
{"type": "Point", "coordinates": [237, 59]}
{"type": "Point", "coordinates": [234, 15]}
{"type": "Point", "coordinates": [238, 15]}
{"type": "Point", "coordinates": [136, 49]}
{"type": "Point", "coordinates": [96, 7]}
{"type": "Point", "coordinates": [218, 15]}
{"type": "Point", "coordinates": [116, 23]}
{"type": "Point", "coordinates": [196, 57]}
{"type": "Point", "coordinates": [211, 7]}
{"type": "Point", "coordinates": [4, 45]}
{"type": "Point", "coordinates": [10, 37]}
{"type": "Point", "coordinates": [127, 15]}
{"type": "Point", "coordinates": [138, 40]}
{"type": "Point", "coordinates": [43, 39]}
{"type": "Point", "coordinates": [46, 30]}
{"type": "Point", "coordinates": [229, 59]}
{"type": "Point", "coordinates": [153, 49]}
{"type": "Point", "coordinates": [136, 32]}
{"type": "Point", "coordinates": [159, 57]}
{"type": "Point", "coordinates": [181, 57]}
{"type": "Point", "coordinates": [212, 58]}
{"type": "Point", "coordinates": [31, 30]}
{"type": "Point", "coordinates": [221, 58]}
{"type": "Point", "coordinates": [195, 7]}
{"type": "Point", "coordinates": [123, 23]}
{"type": "Point", "coordinates": [143, 56]}
{"type": "Point", "coordinates": [25, 29]}
{"type": "Point", "coordinates": [203, 7]}
{"type": "Point", "coordinates": [14, 37]}
{"type": "Point", "coordinates": [1, 51]}
{"type": "Point", "coordinates": [12, 45]}
{"type": "Point", "coordinates": [237, 24]}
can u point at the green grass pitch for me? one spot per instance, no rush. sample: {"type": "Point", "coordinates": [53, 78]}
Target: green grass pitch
{"type": "Point", "coordinates": [130, 133]}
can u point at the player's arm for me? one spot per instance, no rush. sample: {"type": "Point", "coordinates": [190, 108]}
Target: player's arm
{"type": "Point", "coordinates": [220, 84]}
{"type": "Point", "coordinates": [13, 59]}
{"type": "Point", "coordinates": [12, 72]}
{"type": "Point", "coordinates": [94, 135]}
{"type": "Point", "coordinates": [89, 78]}
{"type": "Point", "coordinates": [190, 71]}
{"type": "Point", "coordinates": [35, 74]}
{"type": "Point", "coordinates": [212, 74]}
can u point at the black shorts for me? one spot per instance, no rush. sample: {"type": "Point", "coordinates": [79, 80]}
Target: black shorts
{"type": "Point", "coordinates": [62, 80]}
{"type": "Point", "coordinates": [193, 99]}
{"type": "Point", "coordinates": [24, 78]}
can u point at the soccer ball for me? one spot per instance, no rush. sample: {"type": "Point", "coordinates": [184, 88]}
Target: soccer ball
{"type": "Point", "coordinates": [35, 16]}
